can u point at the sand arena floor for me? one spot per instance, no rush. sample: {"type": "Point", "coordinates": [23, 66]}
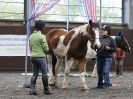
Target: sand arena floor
{"type": "Point", "coordinates": [11, 87]}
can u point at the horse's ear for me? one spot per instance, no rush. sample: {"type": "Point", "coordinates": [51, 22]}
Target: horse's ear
{"type": "Point", "coordinates": [120, 34]}
{"type": "Point", "coordinates": [90, 22]}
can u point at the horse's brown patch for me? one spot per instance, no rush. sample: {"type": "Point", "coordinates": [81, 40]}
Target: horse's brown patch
{"type": "Point", "coordinates": [53, 37]}
{"type": "Point", "coordinates": [78, 46]}
{"type": "Point", "coordinates": [68, 37]}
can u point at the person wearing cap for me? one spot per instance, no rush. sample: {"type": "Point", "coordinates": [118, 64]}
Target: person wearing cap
{"type": "Point", "coordinates": [119, 56]}
{"type": "Point", "coordinates": [104, 57]}
{"type": "Point", "coordinates": [39, 48]}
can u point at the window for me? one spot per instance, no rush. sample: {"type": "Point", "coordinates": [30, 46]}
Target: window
{"type": "Point", "coordinates": [60, 11]}
{"type": "Point", "coordinates": [111, 11]}
{"type": "Point", "coordinates": [11, 9]}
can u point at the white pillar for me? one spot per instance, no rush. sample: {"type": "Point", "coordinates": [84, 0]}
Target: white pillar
{"type": "Point", "coordinates": [68, 15]}
{"type": "Point", "coordinates": [28, 12]}
{"type": "Point", "coordinates": [100, 14]}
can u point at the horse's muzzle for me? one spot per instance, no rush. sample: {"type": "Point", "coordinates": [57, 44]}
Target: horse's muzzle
{"type": "Point", "coordinates": [93, 59]}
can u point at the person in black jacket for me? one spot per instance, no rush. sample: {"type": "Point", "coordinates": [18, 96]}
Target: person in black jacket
{"type": "Point", "coordinates": [104, 57]}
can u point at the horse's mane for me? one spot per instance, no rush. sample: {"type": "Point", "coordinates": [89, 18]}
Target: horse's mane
{"type": "Point", "coordinates": [80, 27]}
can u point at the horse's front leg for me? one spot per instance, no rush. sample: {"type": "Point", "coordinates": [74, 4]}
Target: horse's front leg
{"type": "Point", "coordinates": [56, 70]}
{"type": "Point", "coordinates": [82, 64]}
{"type": "Point", "coordinates": [86, 74]}
{"type": "Point", "coordinates": [94, 72]}
{"type": "Point", "coordinates": [67, 71]}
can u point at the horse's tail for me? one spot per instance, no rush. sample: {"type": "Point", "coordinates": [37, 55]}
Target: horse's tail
{"type": "Point", "coordinates": [54, 60]}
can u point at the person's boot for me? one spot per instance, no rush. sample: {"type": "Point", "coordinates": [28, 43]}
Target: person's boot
{"type": "Point", "coordinates": [45, 84]}
{"type": "Point", "coordinates": [32, 88]}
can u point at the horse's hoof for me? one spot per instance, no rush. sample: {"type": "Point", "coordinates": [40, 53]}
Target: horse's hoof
{"type": "Point", "coordinates": [84, 89]}
{"type": "Point", "coordinates": [65, 87]}
{"type": "Point", "coordinates": [53, 85]}
{"type": "Point", "coordinates": [93, 76]}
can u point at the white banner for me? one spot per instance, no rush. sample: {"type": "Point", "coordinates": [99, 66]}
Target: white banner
{"type": "Point", "coordinates": [13, 45]}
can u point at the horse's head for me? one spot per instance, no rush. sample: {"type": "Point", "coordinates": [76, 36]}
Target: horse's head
{"type": "Point", "coordinates": [93, 31]}
{"type": "Point", "coordinates": [122, 43]}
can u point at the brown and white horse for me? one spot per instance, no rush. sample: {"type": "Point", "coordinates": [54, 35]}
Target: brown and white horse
{"type": "Point", "coordinates": [71, 47]}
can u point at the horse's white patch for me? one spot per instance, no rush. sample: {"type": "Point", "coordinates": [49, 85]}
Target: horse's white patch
{"type": "Point", "coordinates": [83, 82]}
{"type": "Point", "coordinates": [55, 37]}
{"type": "Point", "coordinates": [113, 37]}
{"type": "Point", "coordinates": [73, 63]}
{"type": "Point", "coordinates": [81, 29]}
{"type": "Point", "coordinates": [91, 53]}
{"type": "Point", "coordinates": [60, 49]}
{"type": "Point", "coordinates": [64, 29]}
{"type": "Point", "coordinates": [97, 37]}
{"type": "Point", "coordinates": [68, 66]}
{"type": "Point", "coordinates": [65, 82]}
{"type": "Point", "coordinates": [67, 71]}
{"type": "Point", "coordinates": [82, 76]}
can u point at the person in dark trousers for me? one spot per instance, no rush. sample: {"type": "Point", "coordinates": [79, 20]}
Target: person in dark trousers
{"type": "Point", "coordinates": [104, 57]}
{"type": "Point", "coordinates": [119, 56]}
{"type": "Point", "coordinates": [39, 48]}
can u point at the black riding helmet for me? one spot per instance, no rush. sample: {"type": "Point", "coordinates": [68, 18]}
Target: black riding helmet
{"type": "Point", "coordinates": [39, 24]}
{"type": "Point", "coordinates": [108, 28]}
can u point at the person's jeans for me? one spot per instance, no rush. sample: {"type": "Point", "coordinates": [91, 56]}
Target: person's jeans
{"type": "Point", "coordinates": [103, 68]}
{"type": "Point", "coordinates": [100, 68]}
{"type": "Point", "coordinates": [39, 63]}
{"type": "Point", "coordinates": [119, 66]}
{"type": "Point", "coordinates": [108, 62]}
